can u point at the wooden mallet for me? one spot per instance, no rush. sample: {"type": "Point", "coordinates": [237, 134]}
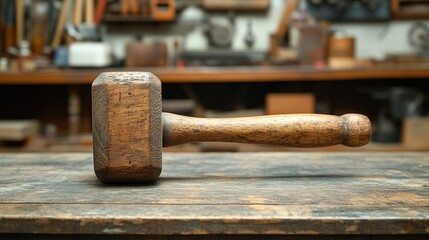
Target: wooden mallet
{"type": "Point", "coordinates": [129, 128]}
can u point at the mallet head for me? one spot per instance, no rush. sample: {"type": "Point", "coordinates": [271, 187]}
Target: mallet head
{"type": "Point", "coordinates": [126, 125]}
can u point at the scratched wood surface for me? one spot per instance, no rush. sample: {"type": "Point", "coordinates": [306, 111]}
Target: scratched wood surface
{"type": "Point", "coordinates": [222, 193]}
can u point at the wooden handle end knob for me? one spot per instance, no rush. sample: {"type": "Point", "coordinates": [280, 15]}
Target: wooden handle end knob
{"type": "Point", "coordinates": [356, 130]}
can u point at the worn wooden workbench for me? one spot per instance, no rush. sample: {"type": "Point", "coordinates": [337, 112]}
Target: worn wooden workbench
{"type": "Point", "coordinates": [295, 195]}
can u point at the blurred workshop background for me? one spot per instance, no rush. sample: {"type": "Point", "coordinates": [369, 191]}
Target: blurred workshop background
{"type": "Point", "coordinates": [216, 58]}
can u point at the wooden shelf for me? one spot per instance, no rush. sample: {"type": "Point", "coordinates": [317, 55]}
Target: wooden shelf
{"type": "Point", "coordinates": [410, 16]}
{"type": "Point", "coordinates": [226, 74]}
{"type": "Point", "coordinates": [410, 10]}
{"type": "Point", "coordinates": [405, 72]}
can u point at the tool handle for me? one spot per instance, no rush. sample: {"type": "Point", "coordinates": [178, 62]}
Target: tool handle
{"type": "Point", "coordinates": [292, 130]}
{"type": "Point", "coordinates": [124, 7]}
{"type": "Point", "coordinates": [99, 11]}
{"type": "Point", "coordinates": [134, 6]}
{"type": "Point", "coordinates": [60, 24]}
{"type": "Point", "coordinates": [19, 22]}
{"type": "Point", "coordinates": [89, 12]}
{"type": "Point", "coordinates": [77, 14]}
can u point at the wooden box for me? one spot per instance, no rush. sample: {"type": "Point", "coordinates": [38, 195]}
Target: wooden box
{"type": "Point", "coordinates": [415, 130]}
{"type": "Point", "coordinates": [286, 103]}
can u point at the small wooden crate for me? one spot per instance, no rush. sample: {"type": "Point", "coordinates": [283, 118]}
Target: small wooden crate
{"type": "Point", "coordinates": [286, 103]}
{"type": "Point", "coordinates": [415, 130]}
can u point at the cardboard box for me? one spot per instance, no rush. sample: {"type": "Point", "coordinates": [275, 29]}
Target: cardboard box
{"type": "Point", "coordinates": [18, 130]}
{"type": "Point", "coordinates": [286, 103]}
{"type": "Point", "coordinates": [415, 130]}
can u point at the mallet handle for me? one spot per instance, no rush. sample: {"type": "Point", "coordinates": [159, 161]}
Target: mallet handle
{"type": "Point", "coordinates": [292, 130]}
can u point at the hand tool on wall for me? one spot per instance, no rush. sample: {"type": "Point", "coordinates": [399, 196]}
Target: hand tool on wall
{"type": "Point", "coordinates": [249, 39]}
{"type": "Point", "coordinates": [163, 10]}
{"type": "Point", "coordinates": [144, 7]}
{"type": "Point", "coordinates": [278, 37]}
{"type": "Point", "coordinates": [2, 24]}
{"type": "Point", "coordinates": [37, 33]}
{"type": "Point", "coordinates": [77, 13]}
{"type": "Point", "coordinates": [134, 6]}
{"type": "Point", "coordinates": [100, 9]}
{"type": "Point", "coordinates": [88, 30]}
{"type": "Point", "coordinates": [84, 31]}
{"type": "Point", "coordinates": [89, 12]}
{"type": "Point", "coordinates": [19, 8]}
{"type": "Point", "coordinates": [9, 25]}
{"type": "Point", "coordinates": [89, 51]}
{"type": "Point", "coordinates": [124, 7]}
{"type": "Point", "coordinates": [60, 24]}
{"type": "Point", "coordinates": [129, 128]}
{"type": "Point", "coordinates": [52, 17]}
{"type": "Point", "coordinates": [285, 19]}
{"type": "Point", "coordinates": [74, 22]}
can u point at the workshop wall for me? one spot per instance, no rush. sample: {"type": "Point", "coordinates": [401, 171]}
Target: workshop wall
{"type": "Point", "coordinates": [189, 31]}
{"type": "Point", "coordinates": [373, 40]}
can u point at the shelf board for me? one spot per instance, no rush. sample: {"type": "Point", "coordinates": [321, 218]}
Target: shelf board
{"type": "Point", "coordinates": [226, 74]}
{"type": "Point", "coordinates": [407, 15]}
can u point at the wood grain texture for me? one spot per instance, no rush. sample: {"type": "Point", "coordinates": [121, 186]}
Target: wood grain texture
{"type": "Point", "coordinates": [235, 5]}
{"type": "Point", "coordinates": [127, 128]}
{"type": "Point", "coordinates": [208, 237]}
{"type": "Point", "coordinates": [408, 72]}
{"type": "Point", "coordinates": [223, 193]}
{"type": "Point", "coordinates": [293, 130]}
{"type": "Point", "coordinates": [126, 116]}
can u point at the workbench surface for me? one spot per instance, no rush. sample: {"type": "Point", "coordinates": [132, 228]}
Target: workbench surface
{"type": "Point", "coordinates": [221, 193]}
